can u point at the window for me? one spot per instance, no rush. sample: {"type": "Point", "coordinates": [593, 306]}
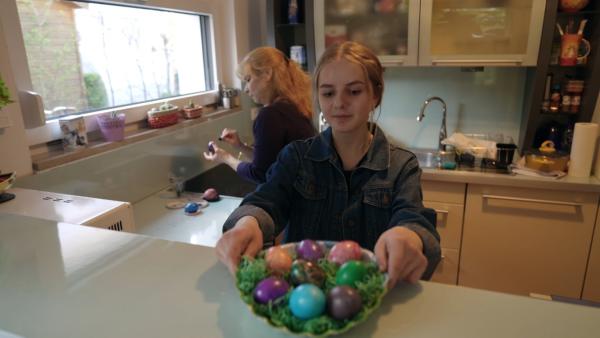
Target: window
{"type": "Point", "coordinates": [85, 56]}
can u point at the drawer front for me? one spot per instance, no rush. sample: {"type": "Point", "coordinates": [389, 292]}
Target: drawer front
{"type": "Point", "coordinates": [447, 192]}
{"type": "Point", "coordinates": [449, 222]}
{"type": "Point", "coordinates": [525, 240]}
{"type": "Point", "coordinates": [447, 270]}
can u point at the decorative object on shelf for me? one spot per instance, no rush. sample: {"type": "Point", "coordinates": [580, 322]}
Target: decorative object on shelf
{"type": "Point", "coordinates": [74, 132]}
{"type": "Point", "coordinates": [163, 116]}
{"type": "Point", "coordinates": [112, 126]}
{"type": "Point", "coordinates": [4, 95]}
{"type": "Point", "coordinates": [571, 6]}
{"type": "Point", "coordinates": [298, 54]}
{"type": "Point", "coordinates": [574, 49]}
{"type": "Point", "coordinates": [293, 12]}
{"type": "Point", "coordinates": [192, 111]}
{"type": "Point", "coordinates": [335, 34]}
{"type": "Point", "coordinates": [230, 98]}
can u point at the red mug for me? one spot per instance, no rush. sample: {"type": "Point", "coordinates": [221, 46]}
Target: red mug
{"type": "Point", "coordinates": [569, 50]}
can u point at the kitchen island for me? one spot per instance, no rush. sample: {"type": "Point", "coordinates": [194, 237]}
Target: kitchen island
{"type": "Point", "coordinates": [62, 280]}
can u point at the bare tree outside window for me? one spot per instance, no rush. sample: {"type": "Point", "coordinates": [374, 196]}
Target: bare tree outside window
{"type": "Point", "coordinates": [86, 56]}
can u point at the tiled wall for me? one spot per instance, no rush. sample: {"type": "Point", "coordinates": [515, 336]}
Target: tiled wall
{"type": "Point", "coordinates": [477, 102]}
{"type": "Point", "coordinates": [135, 171]}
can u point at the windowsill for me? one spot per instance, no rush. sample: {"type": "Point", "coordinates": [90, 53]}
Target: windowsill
{"type": "Point", "coordinates": [59, 157]}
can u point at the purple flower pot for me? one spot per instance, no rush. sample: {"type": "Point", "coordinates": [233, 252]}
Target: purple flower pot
{"type": "Point", "coordinates": [113, 129]}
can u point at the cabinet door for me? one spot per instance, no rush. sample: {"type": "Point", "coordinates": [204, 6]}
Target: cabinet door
{"type": "Point", "coordinates": [449, 223]}
{"type": "Point", "coordinates": [389, 28]}
{"type": "Point", "coordinates": [447, 270]}
{"type": "Point", "coordinates": [480, 32]}
{"type": "Point", "coordinates": [522, 240]}
{"type": "Point", "coordinates": [591, 288]}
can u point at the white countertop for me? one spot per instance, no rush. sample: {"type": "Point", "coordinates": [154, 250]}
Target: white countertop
{"type": "Point", "coordinates": [153, 218]}
{"type": "Point", "coordinates": [585, 184]}
{"type": "Point", "coordinates": [62, 280]}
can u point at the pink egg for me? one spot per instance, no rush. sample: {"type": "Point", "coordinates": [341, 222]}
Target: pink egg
{"type": "Point", "coordinates": [278, 260]}
{"type": "Point", "coordinates": [344, 251]}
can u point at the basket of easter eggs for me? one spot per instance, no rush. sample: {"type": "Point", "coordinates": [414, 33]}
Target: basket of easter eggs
{"type": "Point", "coordinates": [312, 288]}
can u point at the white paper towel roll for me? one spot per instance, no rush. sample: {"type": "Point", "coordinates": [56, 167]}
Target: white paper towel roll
{"type": "Point", "coordinates": [582, 149]}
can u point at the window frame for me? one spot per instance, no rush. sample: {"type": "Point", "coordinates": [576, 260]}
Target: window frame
{"type": "Point", "coordinates": [37, 134]}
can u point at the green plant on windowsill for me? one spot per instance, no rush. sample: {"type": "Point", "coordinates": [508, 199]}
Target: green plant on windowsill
{"type": "Point", "coordinates": [4, 95]}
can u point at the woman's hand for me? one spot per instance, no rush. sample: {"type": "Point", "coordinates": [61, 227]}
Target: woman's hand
{"type": "Point", "coordinates": [399, 251]}
{"type": "Point", "coordinates": [231, 136]}
{"type": "Point", "coordinates": [244, 239]}
{"type": "Point", "coordinates": [220, 155]}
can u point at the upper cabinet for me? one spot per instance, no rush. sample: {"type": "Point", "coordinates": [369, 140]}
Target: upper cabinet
{"type": "Point", "coordinates": [390, 28]}
{"type": "Point", "coordinates": [480, 32]}
{"type": "Point", "coordinates": [435, 33]}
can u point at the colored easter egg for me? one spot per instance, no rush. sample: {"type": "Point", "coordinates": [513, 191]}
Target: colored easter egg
{"type": "Point", "coordinates": [350, 273]}
{"type": "Point", "coordinates": [309, 250]}
{"type": "Point", "coordinates": [343, 302]}
{"type": "Point", "coordinates": [278, 260]}
{"type": "Point", "coordinates": [270, 289]}
{"type": "Point", "coordinates": [191, 208]}
{"type": "Point", "coordinates": [307, 272]}
{"type": "Point", "coordinates": [344, 251]}
{"type": "Point", "coordinates": [307, 301]}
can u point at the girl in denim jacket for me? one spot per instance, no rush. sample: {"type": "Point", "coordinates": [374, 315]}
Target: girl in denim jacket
{"type": "Point", "coordinates": [346, 183]}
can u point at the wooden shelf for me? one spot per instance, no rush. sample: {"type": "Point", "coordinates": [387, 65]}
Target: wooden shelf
{"type": "Point", "coordinates": [58, 156]}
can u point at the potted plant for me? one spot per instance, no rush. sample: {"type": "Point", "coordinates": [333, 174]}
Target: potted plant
{"type": "Point", "coordinates": [4, 95]}
{"type": "Point", "coordinates": [192, 111]}
{"type": "Point", "coordinates": [112, 125]}
{"type": "Point", "coordinates": [163, 116]}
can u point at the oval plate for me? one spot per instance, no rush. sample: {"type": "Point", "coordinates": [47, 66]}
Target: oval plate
{"type": "Point", "coordinates": [367, 256]}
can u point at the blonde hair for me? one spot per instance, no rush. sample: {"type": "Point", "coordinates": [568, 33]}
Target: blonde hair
{"type": "Point", "coordinates": [288, 80]}
{"type": "Point", "coordinates": [360, 55]}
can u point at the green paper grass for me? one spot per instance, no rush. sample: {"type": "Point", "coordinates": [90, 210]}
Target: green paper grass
{"type": "Point", "coordinates": [252, 271]}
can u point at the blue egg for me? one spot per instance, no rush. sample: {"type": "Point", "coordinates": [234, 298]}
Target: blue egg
{"type": "Point", "coordinates": [191, 208]}
{"type": "Point", "coordinates": [307, 301]}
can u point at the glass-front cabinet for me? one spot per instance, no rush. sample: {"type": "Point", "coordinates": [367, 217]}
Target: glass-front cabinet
{"type": "Point", "coordinates": [486, 32]}
{"type": "Point", "coordinates": [435, 32]}
{"type": "Point", "coordinates": [389, 27]}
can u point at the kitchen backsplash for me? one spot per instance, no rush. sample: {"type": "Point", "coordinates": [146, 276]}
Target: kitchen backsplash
{"type": "Point", "coordinates": [135, 171]}
{"type": "Point", "coordinates": [477, 102]}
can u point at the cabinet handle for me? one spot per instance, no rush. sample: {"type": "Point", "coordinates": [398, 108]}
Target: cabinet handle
{"type": "Point", "coordinates": [438, 211]}
{"type": "Point", "coordinates": [482, 62]}
{"type": "Point", "coordinates": [532, 200]}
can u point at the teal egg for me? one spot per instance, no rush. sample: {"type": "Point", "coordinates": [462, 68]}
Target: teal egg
{"type": "Point", "coordinates": [307, 301]}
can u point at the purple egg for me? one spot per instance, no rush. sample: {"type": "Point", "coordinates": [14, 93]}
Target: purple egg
{"type": "Point", "coordinates": [343, 302]}
{"type": "Point", "coordinates": [269, 289]}
{"type": "Point", "coordinates": [211, 148]}
{"type": "Point", "coordinates": [309, 250]}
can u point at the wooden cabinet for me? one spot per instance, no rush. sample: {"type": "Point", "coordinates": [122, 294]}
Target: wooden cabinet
{"type": "Point", "coordinates": [447, 199]}
{"type": "Point", "coordinates": [480, 32]}
{"type": "Point", "coordinates": [438, 33]}
{"type": "Point", "coordinates": [591, 287]}
{"type": "Point", "coordinates": [526, 241]}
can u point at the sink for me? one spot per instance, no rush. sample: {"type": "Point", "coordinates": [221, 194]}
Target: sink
{"type": "Point", "coordinates": [428, 158]}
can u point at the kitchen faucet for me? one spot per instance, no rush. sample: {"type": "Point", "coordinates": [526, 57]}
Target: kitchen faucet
{"type": "Point", "coordinates": [443, 133]}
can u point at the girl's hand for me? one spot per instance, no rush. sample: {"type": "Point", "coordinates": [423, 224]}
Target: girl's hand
{"type": "Point", "coordinates": [231, 136]}
{"type": "Point", "coordinates": [244, 239]}
{"type": "Point", "coordinates": [399, 251]}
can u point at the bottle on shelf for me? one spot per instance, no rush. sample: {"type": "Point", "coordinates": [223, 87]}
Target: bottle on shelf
{"type": "Point", "coordinates": [293, 12]}
{"type": "Point", "coordinates": [546, 102]}
{"type": "Point", "coordinates": [555, 98]}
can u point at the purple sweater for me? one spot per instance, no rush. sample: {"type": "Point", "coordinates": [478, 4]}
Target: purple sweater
{"type": "Point", "coordinates": [275, 126]}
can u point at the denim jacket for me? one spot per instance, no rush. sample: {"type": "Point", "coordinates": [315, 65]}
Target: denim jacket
{"type": "Point", "coordinates": [307, 194]}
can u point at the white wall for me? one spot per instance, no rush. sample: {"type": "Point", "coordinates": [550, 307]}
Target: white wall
{"type": "Point", "coordinates": [231, 30]}
{"type": "Point", "coordinates": [14, 153]}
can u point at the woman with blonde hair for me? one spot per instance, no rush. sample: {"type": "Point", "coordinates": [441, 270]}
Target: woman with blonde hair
{"type": "Point", "coordinates": [284, 90]}
{"type": "Point", "coordinates": [347, 183]}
